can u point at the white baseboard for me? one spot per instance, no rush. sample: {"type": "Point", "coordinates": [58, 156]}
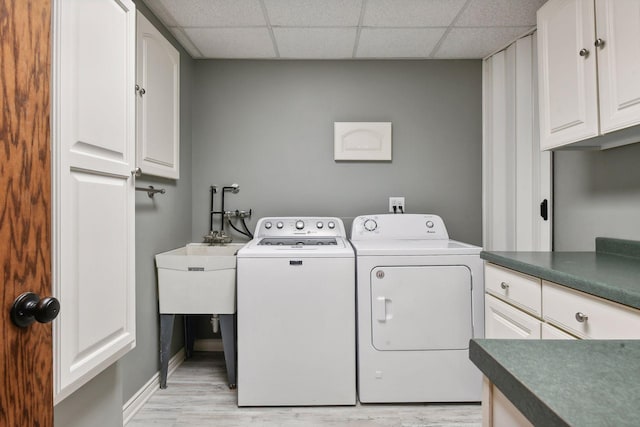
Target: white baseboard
{"type": "Point", "coordinates": [208, 344]}
{"type": "Point", "coordinates": [133, 405]}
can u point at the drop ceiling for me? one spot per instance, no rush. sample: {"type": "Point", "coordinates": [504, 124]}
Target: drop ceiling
{"type": "Point", "coordinates": [345, 29]}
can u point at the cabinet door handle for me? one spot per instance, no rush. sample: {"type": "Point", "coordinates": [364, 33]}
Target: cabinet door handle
{"type": "Point", "coordinates": [584, 52]}
{"type": "Point", "coordinates": [599, 43]}
{"type": "Point", "coordinates": [504, 285]}
{"type": "Point", "coordinates": [581, 317]}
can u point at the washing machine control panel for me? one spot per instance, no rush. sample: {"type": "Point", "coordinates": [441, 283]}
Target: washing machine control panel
{"type": "Point", "coordinates": [298, 226]}
{"type": "Point", "coordinates": [398, 226]}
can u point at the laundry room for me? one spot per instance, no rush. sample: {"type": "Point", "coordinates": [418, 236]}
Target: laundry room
{"type": "Point", "coordinates": [256, 146]}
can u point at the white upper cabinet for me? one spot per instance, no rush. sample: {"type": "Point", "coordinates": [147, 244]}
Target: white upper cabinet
{"type": "Point", "coordinates": [588, 83]}
{"type": "Point", "coordinates": [158, 103]}
{"type": "Point", "coordinates": [618, 36]}
{"type": "Point", "coordinates": [568, 96]}
{"type": "Point", "coordinates": [93, 128]}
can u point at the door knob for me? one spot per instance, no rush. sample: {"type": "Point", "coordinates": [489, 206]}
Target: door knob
{"type": "Point", "coordinates": [28, 308]}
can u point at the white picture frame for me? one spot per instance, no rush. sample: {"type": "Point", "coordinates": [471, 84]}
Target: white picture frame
{"type": "Point", "coordinates": [368, 141]}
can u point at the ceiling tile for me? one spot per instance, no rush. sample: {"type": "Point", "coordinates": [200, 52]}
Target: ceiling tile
{"type": "Point", "coordinates": [316, 43]}
{"type": "Point", "coordinates": [314, 13]}
{"type": "Point", "coordinates": [477, 42]}
{"type": "Point", "coordinates": [185, 41]}
{"type": "Point", "coordinates": [493, 13]}
{"type": "Point", "coordinates": [397, 42]}
{"type": "Point", "coordinates": [411, 13]}
{"type": "Point", "coordinates": [214, 13]}
{"type": "Point", "coordinates": [232, 42]}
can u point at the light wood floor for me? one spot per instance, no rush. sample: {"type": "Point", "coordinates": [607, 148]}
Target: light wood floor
{"type": "Point", "coordinates": [197, 396]}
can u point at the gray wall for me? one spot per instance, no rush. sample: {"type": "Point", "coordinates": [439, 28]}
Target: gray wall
{"type": "Point", "coordinates": [596, 193]}
{"type": "Point", "coordinates": [161, 224]}
{"type": "Point", "coordinates": [268, 125]}
{"type": "Point", "coordinates": [97, 403]}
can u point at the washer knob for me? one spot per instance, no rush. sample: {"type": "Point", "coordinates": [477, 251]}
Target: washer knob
{"type": "Point", "coordinates": [429, 224]}
{"type": "Point", "coordinates": [319, 224]}
{"type": "Point", "coordinates": [331, 225]}
{"type": "Point", "coordinates": [279, 225]}
{"type": "Point", "coordinates": [370, 225]}
{"type": "Point", "coordinates": [268, 225]}
{"type": "Point", "coordinates": [299, 224]}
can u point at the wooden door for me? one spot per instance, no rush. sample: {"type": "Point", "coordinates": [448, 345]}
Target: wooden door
{"type": "Point", "coordinates": [26, 397]}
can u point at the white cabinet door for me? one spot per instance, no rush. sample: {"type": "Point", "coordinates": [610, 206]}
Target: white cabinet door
{"type": "Point", "coordinates": [618, 26]}
{"type": "Point", "coordinates": [158, 103]}
{"type": "Point", "coordinates": [93, 190]}
{"type": "Point", "coordinates": [588, 316]}
{"type": "Point", "coordinates": [568, 80]}
{"type": "Point", "coordinates": [505, 321]}
{"type": "Point", "coordinates": [550, 332]}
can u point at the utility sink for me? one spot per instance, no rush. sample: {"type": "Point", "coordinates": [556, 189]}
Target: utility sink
{"type": "Point", "coordinates": [198, 279]}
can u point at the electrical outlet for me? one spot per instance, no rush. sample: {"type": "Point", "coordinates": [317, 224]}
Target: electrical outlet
{"type": "Point", "coordinates": [398, 203]}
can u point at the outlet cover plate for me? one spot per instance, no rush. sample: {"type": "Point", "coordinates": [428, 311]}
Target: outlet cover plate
{"type": "Point", "coordinates": [398, 202]}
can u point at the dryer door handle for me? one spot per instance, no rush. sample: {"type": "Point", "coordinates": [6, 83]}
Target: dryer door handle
{"type": "Point", "coordinates": [381, 309]}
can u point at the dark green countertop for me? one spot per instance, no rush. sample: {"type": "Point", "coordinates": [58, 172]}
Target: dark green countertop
{"type": "Point", "coordinates": [611, 272]}
{"type": "Point", "coordinates": [565, 383]}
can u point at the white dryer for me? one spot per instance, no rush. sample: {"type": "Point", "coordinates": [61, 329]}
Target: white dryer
{"type": "Point", "coordinates": [420, 301]}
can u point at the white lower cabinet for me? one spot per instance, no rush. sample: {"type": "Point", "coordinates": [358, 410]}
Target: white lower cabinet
{"type": "Point", "coordinates": [587, 316]}
{"type": "Point", "coordinates": [499, 411]}
{"type": "Point", "coordinates": [505, 321]}
{"type": "Point", "coordinates": [518, 306]}
{"type": "Point", "coordinates": [550, 332]}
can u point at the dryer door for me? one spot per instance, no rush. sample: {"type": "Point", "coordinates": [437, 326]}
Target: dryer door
{"type": "Point", "coordinates": [421, 307]}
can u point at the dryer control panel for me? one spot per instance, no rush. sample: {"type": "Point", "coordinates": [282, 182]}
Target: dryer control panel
{"type": "Point", "coordinates": [398, 227]}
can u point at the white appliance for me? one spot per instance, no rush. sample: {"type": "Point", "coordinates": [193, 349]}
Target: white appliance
{"type": "Point", "coordinates": [296, 314]}
{"type": "Point", "coordinates": [420, 301]}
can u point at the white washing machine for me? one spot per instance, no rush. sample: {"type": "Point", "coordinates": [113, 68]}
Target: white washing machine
{"type": "Point", "coordinates": [296, 314]}
{"type": "Point", "coordinates": [420, 301]}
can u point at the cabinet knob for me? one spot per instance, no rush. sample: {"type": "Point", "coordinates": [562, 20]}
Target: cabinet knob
{"type": "Point", "coordinates": [599, 43]}
{"type": "Point", "coordinates": [136, 172]}
{"type": "Point", "coordinates": [581, 317]}
{"type": "Point", "coordinates": [504, 285]}
{"type": "Point", "coordinates": [584, 52]}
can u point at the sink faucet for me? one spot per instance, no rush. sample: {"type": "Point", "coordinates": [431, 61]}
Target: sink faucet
{"type": "Point", "coordinates": [214, 236]}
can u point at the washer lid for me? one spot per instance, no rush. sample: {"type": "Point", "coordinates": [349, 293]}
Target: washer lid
{"type": "Point", "coordinates": [414, 247]}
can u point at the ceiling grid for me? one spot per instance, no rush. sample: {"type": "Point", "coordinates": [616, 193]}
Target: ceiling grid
{"type": "Point", "coordinates": [345, 29]}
